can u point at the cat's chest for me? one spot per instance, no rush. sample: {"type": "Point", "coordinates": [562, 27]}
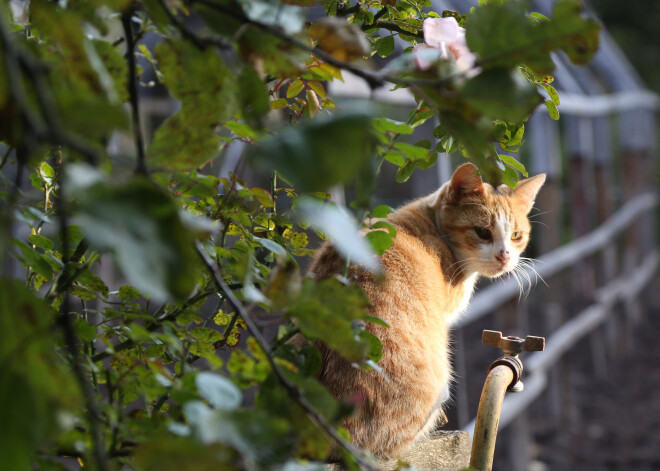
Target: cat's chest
{"type": "Point", "coordinates": [463, 296]}
{"type": "Point", "coordinates": [452, 299]}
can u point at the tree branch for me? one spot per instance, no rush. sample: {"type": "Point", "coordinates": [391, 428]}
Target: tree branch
{"type": "Point", "coordinates": [318, 419]}
{"type": "Point", "coordinates": [140, 166]}
{"type": "Point", "coordinates": [391, 26]}
{"type": "Point", "coordinates": [93, 411]}
{"type": "Point", "coordinates": [153, 325]}
{"type": "Point", "coordinates": [373, 79]}
{"type": "Point", "coordinates": [200, 41]}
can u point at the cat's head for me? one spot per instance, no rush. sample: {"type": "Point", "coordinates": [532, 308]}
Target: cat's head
{"type": "Point", "coordinates": [487, 228]}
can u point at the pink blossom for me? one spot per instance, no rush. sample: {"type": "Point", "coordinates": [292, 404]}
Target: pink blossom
{"type": "Point", "coordinates": [443, 34]}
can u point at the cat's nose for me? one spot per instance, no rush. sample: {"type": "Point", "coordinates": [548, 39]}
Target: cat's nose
{"type": "Point", "coordinates": [503, 256]}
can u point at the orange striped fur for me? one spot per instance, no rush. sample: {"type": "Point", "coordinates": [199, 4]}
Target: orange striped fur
{"type": "Point", "coordinates": [444, 242]}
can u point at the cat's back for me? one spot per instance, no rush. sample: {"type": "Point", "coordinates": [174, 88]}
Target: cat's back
{"type": "Point", "coordinates": [417, 271]}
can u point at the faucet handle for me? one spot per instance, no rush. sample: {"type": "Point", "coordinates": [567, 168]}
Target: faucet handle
{"type": "Point", "coordinates": [511, 345]}
{"type": "Point", "coordinates": [534, 344]}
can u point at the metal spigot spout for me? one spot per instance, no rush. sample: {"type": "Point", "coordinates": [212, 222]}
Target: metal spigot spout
{"type": "Point", "coordinates": [503, 375]}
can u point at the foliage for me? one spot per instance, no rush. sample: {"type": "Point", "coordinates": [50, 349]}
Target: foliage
{"type": "Point", "coordinates": [174, 366]}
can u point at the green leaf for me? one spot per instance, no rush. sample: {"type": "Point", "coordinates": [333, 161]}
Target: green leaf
{"type": "Point", "coordinates": [93, 282]}
{"type": "Point", "coordinates": [391, 230]}
{"type": "Point", "coordinates": [82, 292]}
{"type": "Point", "coordinates": [503, 35]}
{"type": "Point", "coordinates": [116, 67]}
{"type": "Point", "coordinates": [474, 137]}
{"type": "Point", "coordinates": [295, 88]}
{"type": "Point", "coordinates": [221, 393]}
{"type": "Point", "coordinates": [381, 211]}
{"type": "Point", "coordinates": [308, 154]}
{"type": "Point", "coordinates": [271, 245]}
{"type": "Point", "coordinates": [311, 442]}
{"type": "Point", "coordinates": [187, 139]}
{"type": "Point", "coordinates": [169, 453]}
{"type": "Point", "coordinates": [327, 311]}
{"type": "Point", "coordinates": [552, 93]}
{"type": "Point", "coordinates": [206, 334]}
{"type": "Point", "coordinates": [140, 223]}
{"type": "Point", "coordinates": [380, 241]}
{"type": "Point", "coordinates": [35, 260]}
{"type": "Point", "coordinates": [412, 152]}
{"type": "Point", "coordinates": [279, 103]}
{"type": "Point", "coordinates": [40, 241]}
{"type": "Point", "coordinates": [552, 110]}
{"type": "Point", "coordinates": [298, 240]}
{"type": "Point", "coordinates": [341, 228]}
{"type": "Point", "coordinates": [85, 331]}
{"type": "Point", "coordinates": [404, 172]}
{"type": "Point", "coordinates": [253, 95]}
{"type": "Point", "coordinates": [377, 320]}
{"type": "Point", "coordinates": [36, 383]}
{"type": "Point", "coordinates": [511, 162]}
{"type": "Point", "coordinates": [539, 16]}
{"type": "Point", "coordinates": [263, 440]}
{"type": "Point", "coordinates": [375, 346]}
{"type": "Point", "coordinates": [501, 94]}
{"type": "Point", "coordinates": [510, 177]}
{"type": "Point", "coordinates": [390, 125]}
{"type": "Point", "coordinates": [318, 88]}
{"type": "Point", "coordinates": [240, 129]}
{"type": "Point", "coordinates": [128, 292]}
{"type": "Point", "coordinates": [384, 46]}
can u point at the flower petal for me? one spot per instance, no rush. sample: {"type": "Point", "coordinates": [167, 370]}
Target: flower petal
{"type": "Point", "coordinates": [439, 30]}
{"type": "Point", "coordinates": [425, 55]}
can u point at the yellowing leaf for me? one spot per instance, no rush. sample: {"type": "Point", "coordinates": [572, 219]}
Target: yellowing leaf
{"type": "Point", "coordinates": [342, 40]}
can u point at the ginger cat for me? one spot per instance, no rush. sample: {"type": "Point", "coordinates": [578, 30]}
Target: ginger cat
{"type": "Point", "coordinates": [444, 242]}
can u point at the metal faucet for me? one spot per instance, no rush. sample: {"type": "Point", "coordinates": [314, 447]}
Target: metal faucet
{"type": "Point", "coordinates": [503, 375]}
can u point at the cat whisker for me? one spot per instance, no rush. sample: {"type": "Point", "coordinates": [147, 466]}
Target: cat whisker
{"type": "Point", "coordinates": [520, 287]}
{"type": "Point", "coordinates": [539, 223]}
{"type": "Point", "coordinates": [463, 260]}
{"type": "Point", "coordinates": [529, 262]}
{"type": "Point", "coordinates": [524, 290]}
{"type": "Point", "coordinates": [540, 213]}
{"type": "Point", "coordinates": [459, 271]}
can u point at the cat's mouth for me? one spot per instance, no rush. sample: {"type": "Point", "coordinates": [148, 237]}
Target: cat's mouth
{"type": "Point", "coordinates": [497, 270]}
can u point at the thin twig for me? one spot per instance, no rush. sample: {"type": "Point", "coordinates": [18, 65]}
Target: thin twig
{"type": "Point", "coordinates": [93, 412]}
{"type": "Point", "coordinates": [318, 419]}
{"type": "Point", "coordinates": [6, 156]}
{"type": "Point", "coordinates": [153, 325]}
{"type": "Point", "coordinates": [64, 280]}
{"type": "Point", "coordinates": [200, 41]}
{"type": "Point", "coordinates": [373, 79]}
{"type": "Point", "coordinates": [140, 166]}
{"type": "Point", "coordinates": [393, 27]}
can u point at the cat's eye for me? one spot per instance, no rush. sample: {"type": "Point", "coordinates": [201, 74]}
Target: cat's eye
{"type": "Point", "coordinates": [517, 235]}
{"type": "Point", "coordinates": [482, 232]}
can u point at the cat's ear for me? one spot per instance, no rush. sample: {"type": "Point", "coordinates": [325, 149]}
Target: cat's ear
{"type": "Point", "coordinates": [526, 191]}
{"type": "Point", "coordinates": [465, 181]}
